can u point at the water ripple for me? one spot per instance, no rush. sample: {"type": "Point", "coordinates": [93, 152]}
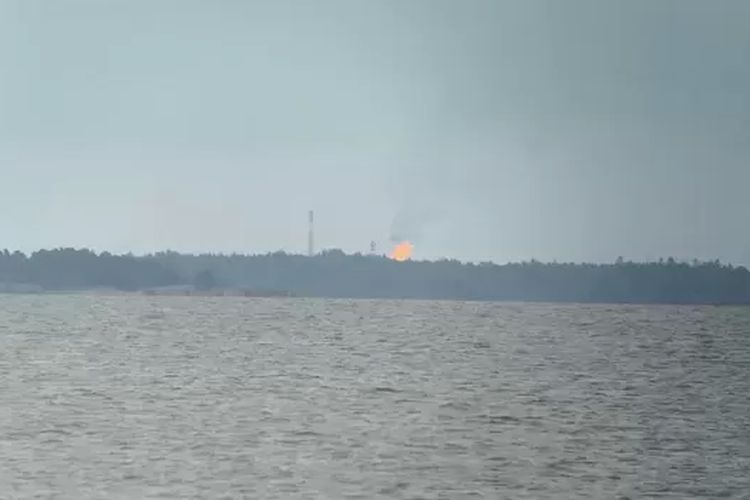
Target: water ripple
{"type": "Point", "coordinates": [183, 397]}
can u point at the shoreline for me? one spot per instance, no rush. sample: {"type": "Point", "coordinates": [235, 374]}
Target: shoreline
{"type": "Point", "coordinates": [230, 293]}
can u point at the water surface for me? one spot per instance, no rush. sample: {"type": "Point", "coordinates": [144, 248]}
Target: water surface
{"type": "Point", "coordinates": [177, 397]}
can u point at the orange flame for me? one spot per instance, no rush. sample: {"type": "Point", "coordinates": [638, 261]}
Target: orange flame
{"type": "Point", "coordinates": [402, 251]}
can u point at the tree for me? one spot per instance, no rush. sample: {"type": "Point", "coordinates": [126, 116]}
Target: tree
{"type": "Point", "coordinates": [204, 280]}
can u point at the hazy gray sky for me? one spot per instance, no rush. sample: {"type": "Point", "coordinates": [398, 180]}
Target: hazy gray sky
{"type": "Point", "coordinates": [503, 130]}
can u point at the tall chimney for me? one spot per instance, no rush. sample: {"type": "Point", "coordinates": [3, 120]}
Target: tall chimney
{"type": "Point", "coordinates": [310, 235]}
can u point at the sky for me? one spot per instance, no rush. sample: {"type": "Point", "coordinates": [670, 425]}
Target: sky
{"type": "Point", "coordinates": [480, 130]}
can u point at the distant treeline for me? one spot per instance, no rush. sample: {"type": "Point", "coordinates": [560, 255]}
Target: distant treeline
{"type": "Point", "coordinates": [335, 274]}
{"type": "Point", "coordinates": [67, 268]}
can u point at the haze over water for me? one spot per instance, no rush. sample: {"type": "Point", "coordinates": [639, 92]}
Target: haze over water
{"type": "Point", "coordinates": [175, 397]}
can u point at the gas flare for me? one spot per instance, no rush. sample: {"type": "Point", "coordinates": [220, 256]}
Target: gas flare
{"type": "Point", "coordinates": [402, 251]}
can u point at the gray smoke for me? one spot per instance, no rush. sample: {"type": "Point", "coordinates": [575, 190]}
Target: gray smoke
{"type": "Point", "coordinates": [412, 224]}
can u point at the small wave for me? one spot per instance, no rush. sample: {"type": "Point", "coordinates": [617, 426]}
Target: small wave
{"type": "Point", "coordinates": [385, 389]}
